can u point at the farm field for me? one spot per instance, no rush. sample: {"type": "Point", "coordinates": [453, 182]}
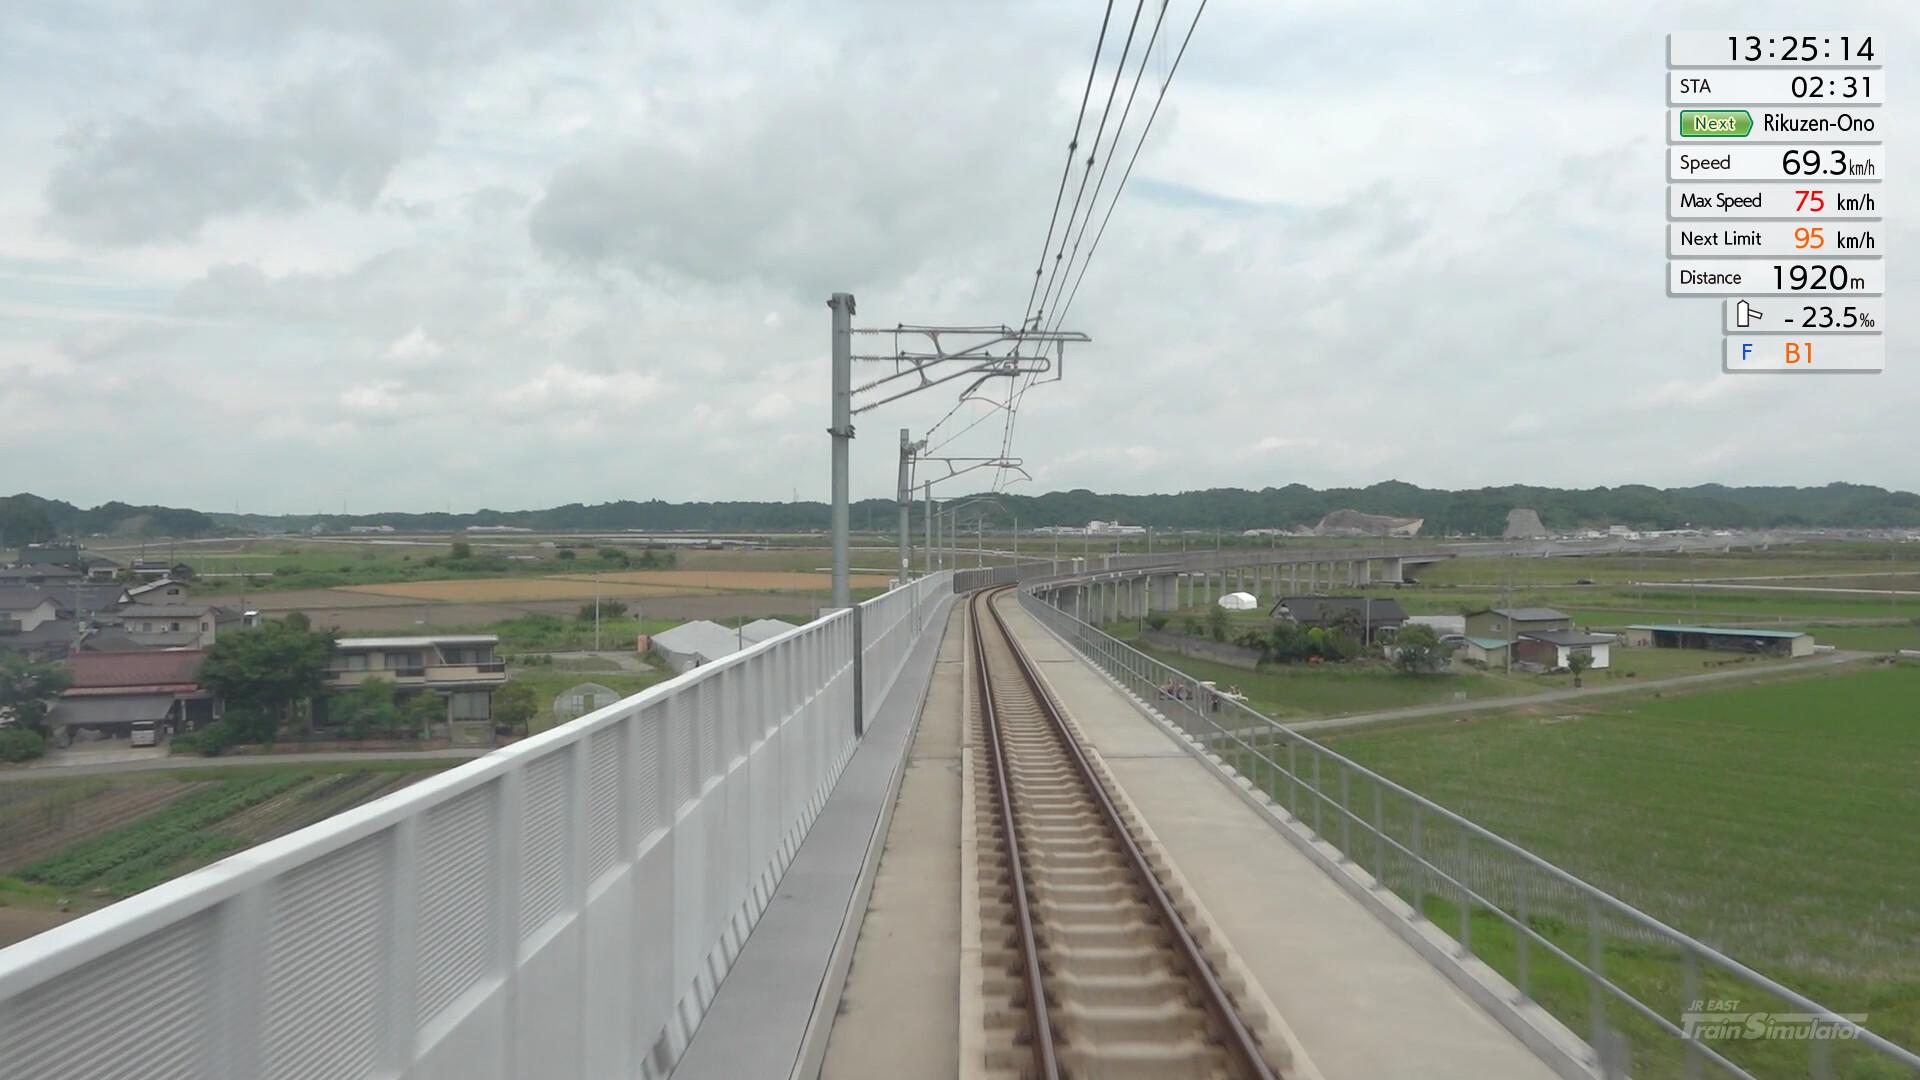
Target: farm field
{"type": "Point", "coordinates": [617, 584]}
{"type": "Point", "coordinates": [69, 845]}
{"type": "Point", "coordinates": [1683, 806]}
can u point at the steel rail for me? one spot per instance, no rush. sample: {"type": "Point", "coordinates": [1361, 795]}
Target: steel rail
{"type": "Point", "coordinates": [1044, 1058]}
{"type": "Point", "coordinates": [1240, 1041]}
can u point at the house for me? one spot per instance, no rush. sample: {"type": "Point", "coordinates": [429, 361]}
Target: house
{"type": "Point", "coordinates": [47, 642]}
{"type": "Point", "coordinates": [1552, 649]}
{"type": "Point", "coordinates": [24, 608]}
{"type": "Point", "coordinates": [112, 691]}
{"type": "Point", "coordinates": [170, 625]}
{"type": "Point", "coordinates": [39, 574]}
{"type": "Point", "coordinates": [1480, 650]}
{"type": "Point", "coordinates": [1509, 623]}
{"type": "Point", "coordinates": [159, 591]}
{"type": "Point", "coordinates": [155, 569]}
{"type": "Point", "coordinates": [1372, 617]}
{"type": "Point", "coordinates": [461, 668]}
{"type": "Point", "coordinates": [1723, 638]}
{"type": "Point", "coordinates": [50, 562]}
{"type": "Point", "coordinates": [90, 603]}
{"type": "Point", "coordinates": [693, 644]}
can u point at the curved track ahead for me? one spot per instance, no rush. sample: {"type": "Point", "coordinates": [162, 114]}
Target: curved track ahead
{"type": "Point", "coordinates": [1102, 976]}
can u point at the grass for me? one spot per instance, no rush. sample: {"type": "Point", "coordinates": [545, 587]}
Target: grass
{"type": "Point", "coordinates": [1773, 822]}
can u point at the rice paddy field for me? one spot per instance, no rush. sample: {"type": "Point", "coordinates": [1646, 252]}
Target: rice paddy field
{"type": "Point", "coordinates": [1779, 823]}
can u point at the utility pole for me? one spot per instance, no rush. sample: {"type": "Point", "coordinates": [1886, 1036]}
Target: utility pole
{"type": "Point", "coordinates": [926, 557]}
{"type": "Point", "coordinates": [906, 504]}
{"type": "Point", "coordinates": [842, 432]}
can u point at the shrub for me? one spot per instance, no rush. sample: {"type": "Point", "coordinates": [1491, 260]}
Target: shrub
{"type": "Point", "coordinates": [209, 741]}
{"type": "Point", "coordinates": [1157, 621]}
{"type": "Point", "coordinates": [19, 744]}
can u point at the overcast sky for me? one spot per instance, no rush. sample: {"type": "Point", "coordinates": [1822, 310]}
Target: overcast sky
{"type": "Point", "coordinates": [378, 254]}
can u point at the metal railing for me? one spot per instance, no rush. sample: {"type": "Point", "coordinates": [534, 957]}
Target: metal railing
{"type": "Point", "coordinates": [565, 906]}
{"type": "Point", "coordinates": [1625, 979]}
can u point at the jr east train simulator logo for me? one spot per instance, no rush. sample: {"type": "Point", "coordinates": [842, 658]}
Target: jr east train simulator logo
{"type": "Point", "coordinates": [1722, 1019]}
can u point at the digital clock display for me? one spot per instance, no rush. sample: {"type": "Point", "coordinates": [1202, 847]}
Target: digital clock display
{"type": "Point", "coordinates": [1800, 48]}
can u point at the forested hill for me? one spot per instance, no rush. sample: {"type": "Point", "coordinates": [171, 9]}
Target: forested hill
{"type": "Point", "coordinates": [29, 518]}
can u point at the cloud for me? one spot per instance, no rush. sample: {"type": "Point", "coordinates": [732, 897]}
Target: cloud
{"type": "Point", "coordinates": [521, 244]}
{"type": "Point", "coordinates": [160, 177]}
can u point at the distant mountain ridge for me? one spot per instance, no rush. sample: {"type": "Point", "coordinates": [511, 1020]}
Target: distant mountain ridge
{"type": "Point", "coordinates": [29, 518]}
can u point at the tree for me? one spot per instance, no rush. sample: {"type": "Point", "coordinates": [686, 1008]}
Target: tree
{"type": "Point", "coordinates": [366, 708]}
{"type": "Point", "coordinates": [564, 553]}
{"type": "Point", "coordinates": [419, 713]}
{"type": "Point", "coordinates": [1578, 661]}
{"type": "Point", "coordinates": [263, 671]}
{"type": "Point", "coordinates": [460, 550]}
{"type": "Point", "coordinates": [1217, 622]}
{"type": "Point", "coordinates": [514, 705]}
{"type": "Point", "coordinates": [1418, 650]}
{"type": "Point", "coordinates": [26, 689]}
{"type": "Point", "coordinates": [614, 555]}
{"type": "Point", "coordinates": [23, 521]}
{"type": "Point", "coordinates": [298, 620]}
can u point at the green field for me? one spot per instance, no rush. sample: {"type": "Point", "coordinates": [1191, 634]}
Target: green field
{"type": "Point", "coordinates": [71, 844]}
{"type": "Point", "coordinates": [1778, 823]}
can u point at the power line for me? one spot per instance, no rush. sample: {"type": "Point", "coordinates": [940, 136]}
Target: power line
{"type": "Point", "coordinates": [1148, 129]}
{"type": "Point", "coordinates": [1073, 147]}
{"type": "Point", "coordinates": [1016, 392]}
{"type": "Point", "coordinates": [1119, 69]}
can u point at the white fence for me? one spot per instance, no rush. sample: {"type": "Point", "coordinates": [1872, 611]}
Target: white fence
{"type": "Point", "coordinates": [563, 907]}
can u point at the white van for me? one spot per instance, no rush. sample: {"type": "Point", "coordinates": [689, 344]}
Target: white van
{"type": "Point", "coordinates": [145, 733]}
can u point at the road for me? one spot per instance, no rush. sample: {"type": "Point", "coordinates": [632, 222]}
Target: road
{"type": "Point", "coordinates": [56, 769]}
{"type": "Point", "coordinates": [1619, 686]}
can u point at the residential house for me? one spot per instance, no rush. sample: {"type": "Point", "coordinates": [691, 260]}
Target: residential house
{"type": "Point", "coordinates": [461, 668]}
{"type": "Point", "coordinates": [65, 561]}
{"type": "Point", "coordinates": [155, 569]}
{"type": "Point", "coordinates": [1509, 623]}
{"type": "Point", "coordinates": [1551, 649]}
{"type": "Point", "coordinates": [91, 603]}
{"type": "Point", "coordinates": [170, 625]}
{"type": "Point", "coordinates": [40, 574]}
{"type": "Point", "coordinates": [159, 591]}
{"type": "Point", "coordinates": [24, 608]}
{"type": "Point", "coordinates": [112, 691]}
{"type": "Point", "coordinates": [1371, 617]}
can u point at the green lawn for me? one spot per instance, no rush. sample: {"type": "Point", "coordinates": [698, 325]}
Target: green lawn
{"type": "Point", "coordinates": [1777, 823]}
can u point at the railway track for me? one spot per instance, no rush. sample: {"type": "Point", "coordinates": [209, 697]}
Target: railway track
{"type": "Point", "coordinates": [1088, 965]}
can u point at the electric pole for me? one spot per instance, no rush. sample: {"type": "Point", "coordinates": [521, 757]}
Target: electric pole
{"type": "Point", "coordinates": [906, 505]}
{"type": "Point", "coordinates": [915, 369]}
{"type": "Point", "coordinates": [842, 432]}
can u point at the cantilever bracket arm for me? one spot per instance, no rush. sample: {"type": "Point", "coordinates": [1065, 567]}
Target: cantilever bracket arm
{"type": "Point", "coordinates": [957, 466]}
{"type": "Point", "coordinates": [939, 362]}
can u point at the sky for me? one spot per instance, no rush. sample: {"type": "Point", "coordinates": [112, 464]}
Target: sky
{"type": "Point", "coordinates": [281, 257]}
